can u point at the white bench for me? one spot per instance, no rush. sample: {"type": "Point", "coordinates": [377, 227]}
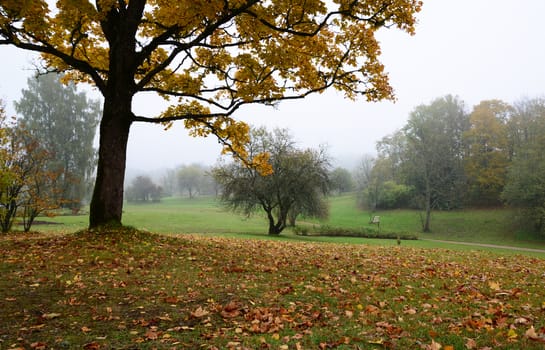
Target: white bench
{"type": "Point", "coordinates": [375, 220]}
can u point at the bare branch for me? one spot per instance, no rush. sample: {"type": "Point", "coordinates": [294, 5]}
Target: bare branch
{"type": "Point", "coordinates": [180, 47]}
{"type": "Point", "coordinates": [44, 47]}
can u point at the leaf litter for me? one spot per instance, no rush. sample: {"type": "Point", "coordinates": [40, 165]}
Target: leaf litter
{"type": "Point", "coordinates": [138, 290]}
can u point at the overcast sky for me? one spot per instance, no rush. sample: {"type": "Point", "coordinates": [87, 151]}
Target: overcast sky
{"type": "Point", "coordinates": [475, 49]}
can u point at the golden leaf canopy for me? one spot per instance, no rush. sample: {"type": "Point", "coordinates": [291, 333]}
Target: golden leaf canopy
{"type": "Point", "coordinates": [209, 57]}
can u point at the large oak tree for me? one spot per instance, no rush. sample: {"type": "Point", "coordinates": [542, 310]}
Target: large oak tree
{"type": "Point", "coordinates": [207, 57]}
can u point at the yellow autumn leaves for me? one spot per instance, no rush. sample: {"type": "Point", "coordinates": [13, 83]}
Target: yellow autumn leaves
{"type": "Point", "coordinates": [209, 57]}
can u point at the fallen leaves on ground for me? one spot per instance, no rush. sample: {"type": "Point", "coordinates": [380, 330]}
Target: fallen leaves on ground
{"type": "Point", "coordinates": [138, 290]}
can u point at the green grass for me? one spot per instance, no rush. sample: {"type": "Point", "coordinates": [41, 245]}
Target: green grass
{"type": "Point", "coordinates": [471, 225]}
{"type": "Point", "coordinates": [196, 286]}
{"type": "Point", "coordinates": [204, 215]}
{"type": "Point", "coordinates": [182, 215]}
{"type": "Point", "coordinates": [171, 215]}
{"type": "Point", "coordinates": [134, 290]}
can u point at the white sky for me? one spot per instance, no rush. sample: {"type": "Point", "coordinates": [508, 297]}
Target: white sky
{"type": "Point", "coordinates": [476, 49]}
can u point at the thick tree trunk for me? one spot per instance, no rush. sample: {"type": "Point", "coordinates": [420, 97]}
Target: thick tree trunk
{"type": "Point", "coordinates": [279, 226]}
{"type": "Point", "coordinates": [274, 228]}
{"type": "Point", "coordinates": [121, 32]}
{"type": "Point", "coordinates": [107, 202]}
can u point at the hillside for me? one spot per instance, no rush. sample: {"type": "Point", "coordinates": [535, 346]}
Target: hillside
{"type": "Point", "coordinates": [129, 290]}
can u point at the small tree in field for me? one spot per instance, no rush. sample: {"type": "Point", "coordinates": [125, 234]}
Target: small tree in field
{"type": "Point", "coordinates": [41, 193]}
{"type": "Point", "coordinates": [297, 184]}
{"type": "Point", "coordinates": [488, 151]}
{"type": "Point", "coordinates": [10, 184]}
{"type": "Point", "coordinates": [27, 188]}
{"type": "Point", "coordinates": [143, 189]}
{"type": "Point", "coordinates": [190, 179]}
{"type": "Point", "coordinates": [207, 57]}
{"type": "Point", "coordinates": [433, 154]}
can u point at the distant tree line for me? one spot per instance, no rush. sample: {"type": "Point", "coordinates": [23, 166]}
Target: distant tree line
{"type": "Point", "coordinates": [446, 157]}
{"type": "Point", "coordinates": [184, 181]}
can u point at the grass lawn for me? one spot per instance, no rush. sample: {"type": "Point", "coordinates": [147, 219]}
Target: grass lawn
{"type": "Point", "coordinates": [182, 215]}
{"type": "Point", "coordinates": [204, 215]}
{"type": "Point", "coordinates": [472, 225]}
{"type": "Point", "coordinates": [133, 290]}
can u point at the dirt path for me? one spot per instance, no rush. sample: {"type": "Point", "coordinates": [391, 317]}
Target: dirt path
{"type": "Point", "coordinates": [488, 245]}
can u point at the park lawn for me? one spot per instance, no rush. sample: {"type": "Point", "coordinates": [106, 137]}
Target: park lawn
{"type": "Point", "coordinates": [469, 225]}
{"type": "Point", "coordinates": [130, 289]}
{"type": "Point", "coordinates": [197, 215]}
{"type": "Point", "coordinates": [206, 216]}
{"type": "Point", "coordinates": [171, 215]}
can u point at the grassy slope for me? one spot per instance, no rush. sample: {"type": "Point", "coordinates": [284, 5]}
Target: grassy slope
{"type": "Point", "coordinates": [130, 290]}
{"type": "Point", "coordinates": [139, 291]}
{"type": "Point", "coordinates": [475, 225]}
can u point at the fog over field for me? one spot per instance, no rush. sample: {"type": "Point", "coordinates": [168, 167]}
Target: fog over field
{"type": "Point", "coordinates": [478, 50]}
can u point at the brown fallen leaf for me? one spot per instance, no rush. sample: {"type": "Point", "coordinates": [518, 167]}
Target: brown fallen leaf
{"type": "Point", "coordinates": [470, 344]}
{"type": "Point", "coordinates": [533, 335]}
{"type": "Point", "coordinates": [171, 300]}
{"type": "Point", "coordinates": [410, 311]}
{"type": "Point", "coordinates": [521, 320]}
{"type": "Point", "coordinates": [231, 310]}
{"type": "Point", "coordinates": [38, 346]}
{"type": "Point", "coordinates": [433, 346]}
{"type": "Point", "coordinates": [151, 334]}
{"type": "Point", "coordinates": [92, 346]}
{"type": "Point", "coordinates": [199, 312]}
{"type": "Point", "coordinates": [372, 309]}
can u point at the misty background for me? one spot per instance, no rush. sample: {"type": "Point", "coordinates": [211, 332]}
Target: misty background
{"type": "Point", "coordinates": [477, 50]}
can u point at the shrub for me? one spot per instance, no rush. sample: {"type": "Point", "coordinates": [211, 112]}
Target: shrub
{"type": "Point", "coordinates": [363, 232]}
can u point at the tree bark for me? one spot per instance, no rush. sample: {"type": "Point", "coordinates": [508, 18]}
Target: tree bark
{"type": "Point", "coordinates": [426, 227]}
{"type": "Point", "coordinates": [279, 226]}
{"type": "Point", "coordinates": [275, 228]}
{"type": "Point", "coordinates": [107, 201]}
{"type": "Point", "coordinates": [117, 116]}
{"type": "Point", "coordinates": [272, 227]}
